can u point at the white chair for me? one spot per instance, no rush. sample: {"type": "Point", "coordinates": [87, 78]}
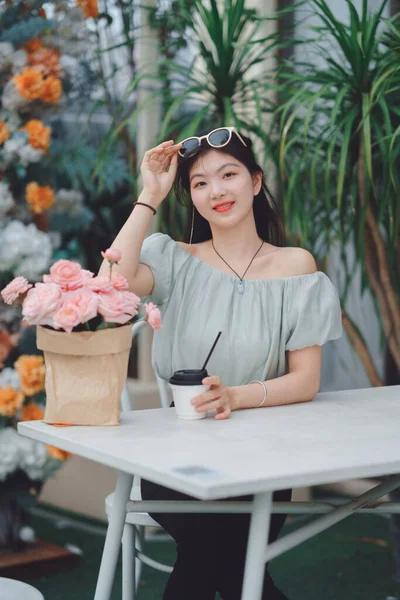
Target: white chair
{"type": "Point", "coordinates": [133, 535]}
{"type": "Point", "coordinates": [10, 589]}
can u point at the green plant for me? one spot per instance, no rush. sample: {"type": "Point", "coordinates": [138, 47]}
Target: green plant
{"type": "Point", "coordinates": [338, 127]}
{"type": "Point", "coordinates": [228, 39]}
{"type": "Point", "coordinates": [333, 133]}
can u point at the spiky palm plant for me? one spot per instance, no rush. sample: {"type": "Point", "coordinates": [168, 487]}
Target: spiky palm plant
{"type": "Point", "coordinates": [338, 157]}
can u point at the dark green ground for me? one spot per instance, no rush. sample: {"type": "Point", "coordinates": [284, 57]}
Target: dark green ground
{"type": "Point", "coordinates": [352, 560]}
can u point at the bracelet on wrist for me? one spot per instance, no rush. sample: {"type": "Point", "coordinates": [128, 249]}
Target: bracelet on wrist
{"type": "Point", "coordinates": [265, 392]}
{"type": "Point", "coordinates": [148, 205]}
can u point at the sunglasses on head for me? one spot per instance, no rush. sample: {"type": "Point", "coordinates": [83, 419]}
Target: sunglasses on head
{"type": "Point", "coordinates": [217, 138]}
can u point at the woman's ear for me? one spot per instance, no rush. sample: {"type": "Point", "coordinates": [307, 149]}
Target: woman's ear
{"type": "Point", "coordinates": [257, 182]}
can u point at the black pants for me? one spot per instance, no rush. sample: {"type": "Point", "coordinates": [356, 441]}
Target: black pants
{"type": "Point", "coordinates": [211, 549]}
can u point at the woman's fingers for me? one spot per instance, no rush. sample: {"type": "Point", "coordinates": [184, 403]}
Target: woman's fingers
{"type": "Point", "coordinates": [160, 155]}
{"type": "Point", "coordinates": [173, 165]}
{"type": "Point", "coordinates": [223, 413]}
{"type": "Point", "coordinates": [154, 151]}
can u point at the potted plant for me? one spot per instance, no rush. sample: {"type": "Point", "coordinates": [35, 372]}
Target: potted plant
{"type": "Point", "coordinates": [84, 328]}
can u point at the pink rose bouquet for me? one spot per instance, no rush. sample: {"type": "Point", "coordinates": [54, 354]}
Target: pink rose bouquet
{"type": "Point", "coordinates": [73, 299]}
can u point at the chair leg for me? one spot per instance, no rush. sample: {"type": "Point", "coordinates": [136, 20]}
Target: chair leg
{"type": "Point", "coordinates": [139, 546]}
{"type": "Point", "coordinates": [112, 543]}
{"type": "Point", "coordinates": [128, 563]}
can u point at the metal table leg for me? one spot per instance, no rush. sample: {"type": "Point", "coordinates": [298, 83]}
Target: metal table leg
{"type": "Point", "coordinates": [113, 538]}
{"type": "Point", "coordinates": [256, 546]}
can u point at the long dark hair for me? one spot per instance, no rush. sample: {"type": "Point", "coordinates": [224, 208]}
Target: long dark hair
{"type": "Point", "coordinates": [267, 215]}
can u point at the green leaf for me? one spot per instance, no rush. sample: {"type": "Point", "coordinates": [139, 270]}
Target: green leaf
{"type": "Point", "coordinates": [345, 143]}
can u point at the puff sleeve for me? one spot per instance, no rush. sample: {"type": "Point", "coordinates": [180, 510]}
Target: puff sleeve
{"type": "Point", "coordinates": [161, 253]}
{"type": "Point", "coordinates": [313, 312]}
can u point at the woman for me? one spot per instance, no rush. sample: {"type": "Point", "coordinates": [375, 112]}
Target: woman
{"type": "Point", "coordinates": [233, 274]}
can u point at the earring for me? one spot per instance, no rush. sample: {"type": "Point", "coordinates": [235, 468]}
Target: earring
{"type": "Point", "coordinates": [191, 232]}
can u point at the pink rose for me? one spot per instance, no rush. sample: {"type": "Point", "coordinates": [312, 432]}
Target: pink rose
{"type": "Point", "coordinates": [69, 316]}
{"type": "Point", "coordinates": [119, 281]}
{"type": "Point", "coordinates": [85, 300]}
{"type": "Point", "coordinates": [17, 286]}
{"type": "Point", "coordinates": [153, 315]}
{"type": "Point", "coordinates": [101, 283]}
{"type": "Point", "coordinates": [68, 275]}
{"type": "Point", "coordinates": [118, 307]}
{"type": "Point", "coordinates": [112, 254]}
{"type": "Point", "coordinates": [41, 303]}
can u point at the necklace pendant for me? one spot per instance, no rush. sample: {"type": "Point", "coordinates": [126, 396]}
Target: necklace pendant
{"type": "Point", "coordinates": [240, 287]}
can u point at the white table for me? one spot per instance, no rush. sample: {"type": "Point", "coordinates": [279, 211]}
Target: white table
{"type": "Point", "coordinates": [337, 436]}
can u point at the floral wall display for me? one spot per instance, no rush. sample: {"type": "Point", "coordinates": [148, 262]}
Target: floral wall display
{"type": "Point", "coordinates": [43, 208]}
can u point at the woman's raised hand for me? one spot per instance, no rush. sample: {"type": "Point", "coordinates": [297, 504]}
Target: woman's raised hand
{"type": "Point", "coordinates": [157, 180]}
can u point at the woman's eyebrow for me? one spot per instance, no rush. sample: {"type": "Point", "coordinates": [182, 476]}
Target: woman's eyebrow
{"type": "Point", "coordinates": [231, 164]}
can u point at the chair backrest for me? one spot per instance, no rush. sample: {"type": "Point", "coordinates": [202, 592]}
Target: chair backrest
{"type": "Point", "coordinates": [126, 400]}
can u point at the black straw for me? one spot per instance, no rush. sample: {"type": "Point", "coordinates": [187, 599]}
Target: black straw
{"type": "Point", "coordinates": [212, 350]}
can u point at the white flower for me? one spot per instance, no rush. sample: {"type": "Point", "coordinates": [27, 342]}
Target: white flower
{"type": "Point", "coordinates": [70, 34]}
{"type": "Point", "coordinates": [9, 452]}
{"type": "Point", "coordinates": [6, 52]}
{"type": "Point", "coordinates": [12, 148]}
{"type": "Point", "coordinates": [69, 64]}
{"type": "Point", "coordinates": [6, 199]}
{"type": "Point", "coordinates": [12, 118]}
{"type": "Point", "coordinates": [33, 456]}
{"type": "Point", "coordinates": [28, 155]}
{"type": "Point", "coordinates": [25, 250]}
{"type": "Point", "coordinates": [18, 60]}
{"type": "Point", "coordinates": [68, 200]}
{"type": "Point", "coordinates": [11, 99]}
{"type": "Point", "coordinates": [10, 377]}
{"type": "Point", "coordinates": [12, 245]}
{"type": "Point", "coordinates": [38, 258]}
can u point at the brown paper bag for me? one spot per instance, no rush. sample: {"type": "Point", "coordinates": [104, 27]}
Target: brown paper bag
{"type": "Point", "coordinates": [85, 374]}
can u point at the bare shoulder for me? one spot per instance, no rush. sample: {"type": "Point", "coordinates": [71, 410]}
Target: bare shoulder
{"type": "Point", "coordinates": [297, 261]}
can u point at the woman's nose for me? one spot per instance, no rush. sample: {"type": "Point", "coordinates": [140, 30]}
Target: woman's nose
{"type": "Point", "coordinates": [216, 191]}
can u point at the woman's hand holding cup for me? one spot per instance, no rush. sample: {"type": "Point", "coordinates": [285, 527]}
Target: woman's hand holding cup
{"type": "Point", "coordinates": [218, 398]}
{"type": "Point", "coordinates": [157, 180]}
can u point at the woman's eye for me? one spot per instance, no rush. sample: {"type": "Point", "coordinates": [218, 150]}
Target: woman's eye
{"type": "Point", "coordinates": [230, 173]}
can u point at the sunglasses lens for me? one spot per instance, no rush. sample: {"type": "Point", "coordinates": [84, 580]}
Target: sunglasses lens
{"type": "Point", "coordinates": [219, 138]}
{"type": "Point", "coordinates": [189, 147]}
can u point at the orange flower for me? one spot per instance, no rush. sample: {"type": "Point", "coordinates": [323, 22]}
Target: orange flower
{"type": "Point", "coordinates": [57, 453]}
{"type": "Point", "coordinates": [90, 8]}
{"type": "Point", "coordinates": [51, 90]}
{"type": "Point", "coordinates": [7, 343]}
{"type": "Point", "coordinates": [29, 83]}
{"type": "Point", "coordinates": [32, 412]}
{"type": "Point", "coordinates": [47, 60]}
{"type": "Point", "coordinates": [39, 197]}
{"type": "Point", "coordinates": [39, 134]}
{"type": "Point", "coordinates": [33, 46]}
{"type": "Point", "coordinates": [32, 85]}
{"type": "Point", "coordinates": [31, 371]}
{"type": "Point", "coordinates": [4, 132]}
{"type": "Point", "coordinates": [11, 400]}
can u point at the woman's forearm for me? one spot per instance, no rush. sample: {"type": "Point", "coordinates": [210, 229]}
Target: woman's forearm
{"type": "Point", "coordinates": [130, 240]}
{"type": "Point", "coordinates": [288, 389]}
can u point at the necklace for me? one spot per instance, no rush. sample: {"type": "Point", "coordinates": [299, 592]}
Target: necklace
{"type": "Point", "coordinates": [240, 284]}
